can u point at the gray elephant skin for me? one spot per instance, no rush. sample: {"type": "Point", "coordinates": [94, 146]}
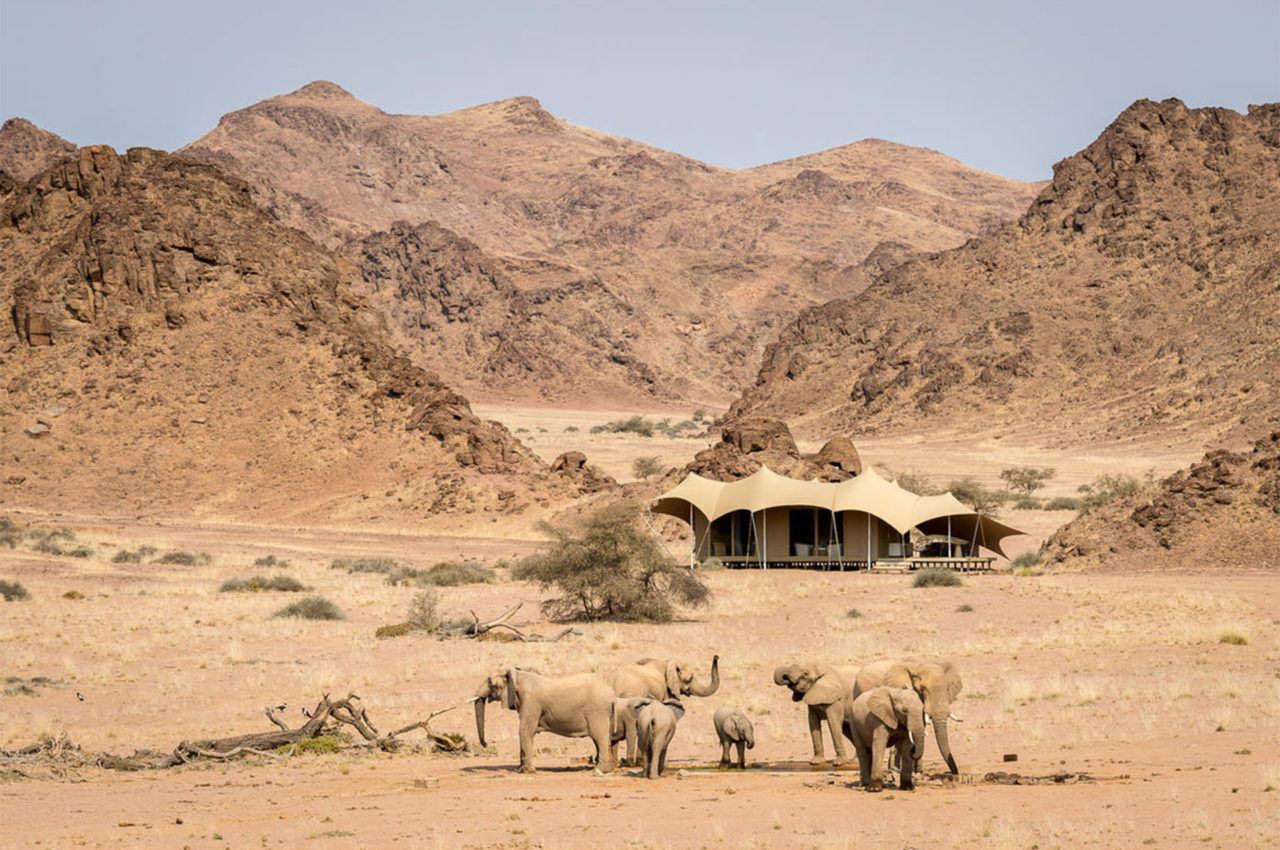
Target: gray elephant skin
{"type": "Point", "coordinates": [886, 717]}
{"type": "Point", "coordinates": [936, 682]}
{"type": "Point", "coordinates": [578, 706]}
{"type": "Point", "coordinates": [662, 679]}
{"type": "Point", "coordinates": [734, 729]}
{"type": "Point", "coordinates": [826, 691]}
{"type": "Point", "coordinates": [655, 727]}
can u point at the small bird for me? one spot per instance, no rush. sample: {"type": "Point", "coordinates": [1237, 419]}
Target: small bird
{"type": "Point", "coordinates": [282, 706]}
{"type": "Point", "coordinates": [305, 713]}
{"type": "Point", "coordinates": [79, 696]}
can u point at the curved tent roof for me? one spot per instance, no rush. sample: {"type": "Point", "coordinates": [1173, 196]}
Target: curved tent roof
{"type": "Point", "coordinates": [869, 493]}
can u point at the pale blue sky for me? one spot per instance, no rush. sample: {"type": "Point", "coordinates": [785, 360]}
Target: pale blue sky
{"type": "Point", "coordinates": [1010, 87]}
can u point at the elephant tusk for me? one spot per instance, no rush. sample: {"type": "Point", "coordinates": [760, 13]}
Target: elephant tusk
{"type": "Point", "coordinates": [956, 719]}
{"type": "Point", "coordinates": [928, 721]}
{"type": "Point", "coordinates": [911, 737]}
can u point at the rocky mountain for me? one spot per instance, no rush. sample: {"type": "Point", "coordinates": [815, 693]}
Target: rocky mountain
{"type": "Point", "coordinates": [687, 268]}
{"type": "Point", "coordinates": [172, 349]}
{"type": "Point", "coordinates": [26, 150]}
{"type": "Point", "coordinates": [1138, 297]}
{"type": "Point", "coordinates": [1222, 511]}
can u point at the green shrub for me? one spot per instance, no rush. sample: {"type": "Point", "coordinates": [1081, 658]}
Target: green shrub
{"type": "Point", "coordinates": [1026, 560]}
{"type": "Point", "coordinates": [184, 559]}
{"type": "Point", "coordinates": [964, 609]}
{"type": "Point", "coordinates": [393, 630]}
{"type": "Point", "coordinates": [1026, 479]}
{"type": "Point", "coordinates": [853, 614]}
{"type": "Point", "coordinates": [312, 608]}
{"type": "Point", "coordinates": [699, 415]}
{"type": "Point", "coordinates": [284, 583]}
{"type": "Point", "coordinates": [424, 611]}
{"type": "Point", "coordinates": [646, 467]}
{"type": "Point", "coordinates": [322, 745]}
{"type": "Point", "coordinates": [443, 574]}
{"type": "Point", "coordinates": [1233, 637]}
{"type": "Point", "coordinates": [569, 429]}
{"type": "Point", "coordinates": [610, 568]}
{"type": "Point", "coordinates": [982, 499]}
{"type": "Point", "coordinates": [73, 594]}
{"type": "Point", "coordinates": [80, 552]}
{"type": "Point", "coordinates": [124, 556]}
{"type": "Point", "coordinates": [934, 577]}
{"type": "Point", "coordinates": [631, 425]}
{"type": "Point", "coordinates": [912, 481]}
{"type": "Point", "coordinates": [1106, 489]}
{"type": "Point", "coordinates": [271, 562]}
{"type": "Point", "coordinates": [1062, 503]}
{"type": "Point", "coordinates": [13, 591]}
{"type": "Point", "coordinates": [1026, 503]}
{"type": "Point", "coordinates": [10, 532]}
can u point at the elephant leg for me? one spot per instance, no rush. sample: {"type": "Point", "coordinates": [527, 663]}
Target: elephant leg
{"type": "Point", "coordinates": [835, 725]}
{"type": "Point", "coordinates": [742, 755]}
{"type": "Point", "coordinates": [724, 753]}
{"type": "Point", "coordinates": [528, 728]}
{"type": "Point", "coordinates": [633, 747]}
{"type": "Point", "coordinates": [905, 782]}
{"type": "Point", "coordinates": [599, 731]}
{"type": "Point", "coordinates": [864, 761]}
{"type": "Point", "coordinates": [879, 738]}
{"type": "Point", "coordinates": [815, 732]}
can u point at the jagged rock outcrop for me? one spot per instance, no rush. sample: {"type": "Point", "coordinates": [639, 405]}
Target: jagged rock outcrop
{"type": "Point", "coordinates": [573, 466]}
{"type": "Point", "coordinates": [26, 150]}
{"type": "Point", "coordinates": [1139, 293]}
{"type": "Point", "coordinates": [140, 286]}
{"type": "Point", "coordinates": [753, 442]}
{"type": "Point", "coordinates": [1222, 511]}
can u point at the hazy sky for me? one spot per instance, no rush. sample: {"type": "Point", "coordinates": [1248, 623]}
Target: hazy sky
{"type": "Point", "coordinates": [1010, 87]}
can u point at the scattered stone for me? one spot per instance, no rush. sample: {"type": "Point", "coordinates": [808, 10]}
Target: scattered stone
{"type": "Point", "coordinates": [39, 429]}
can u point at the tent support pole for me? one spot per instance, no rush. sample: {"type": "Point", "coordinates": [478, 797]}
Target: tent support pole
{"type": "Point", "coordinates": [868, 541]}
{"type": "Point", "coordinates": [951, 550]}
{"type": "Point", "coordinates": [693, 535]}
{"type": "Point", "coordinates": [835, 533]}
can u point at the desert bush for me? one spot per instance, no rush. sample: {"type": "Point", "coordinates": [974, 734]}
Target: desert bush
{"type": "Point", "coordinates": [964, 608]}
{"type": "Point", "coordinates": [699, 415]}
{"type": "Point", "coordinates": [1026, 479]}
{"type": "Point", "coordinates": [13, 591]}
{"type": "Point", "coordinates": [610, 568]}
{"type": "Point", "coordinates": [126, 556]}
{"type": "Point", "coordinates": [312, 608]}
{"type": "Point", "coordinates": [321, 745]}
{"type": "Point", "coordinates": [366, 565]}
{"type": "Point", "coordinates": [287, 584]}
{"type": "Point", "coordinates": [570, 429]}
{"type": "Point", "coordinates": [183, 558]}
{"type": "Point", "coordinates": [270, 562]}
{"type": "Point", "coordinates": [853, 614]}
{"type": "Point", "coordinates": [1062, 503]}
{"type": "Point", "coordinates": [984, 500]}
{"type": "Point", "coordinates": [646, 467]}
{"type": "Point", "coordinates": [393, 630]}
{"type": "Point", "coordinates": [936, 578]}
{"type": "Point", "coordinates": [73, 594]}
{"type": "Point", "coordinates": [80, 552]}
{"type": "Point", "coordinates": [1026, 503]}
{"type": "Point", "coordinates": [424, 611]}
{"type": "Point", "coordinates": [913, 481]}
{"type": "Point", "coordinates": [1026, 559]}
{"type": "Point", "coordinates": [637, 425]}
{"type": "Point", "coordinates": [1233, 637]}
{"type": "Point", "coordinates": [443, 574]}
{"type": "Point", "coordinates": [10, 532]}
{"type": "Point", "coordinates": [1106, 489]}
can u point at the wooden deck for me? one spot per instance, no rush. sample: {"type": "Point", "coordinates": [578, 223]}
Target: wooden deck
{"type": "Point", "coordinates": [902, 565]}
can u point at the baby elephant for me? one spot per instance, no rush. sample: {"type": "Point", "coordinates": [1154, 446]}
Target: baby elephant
{"type": "Point", "coordinates": [655, 727]}
{"type": "Point", "coordinates": [733, 727]}
{"type": "Point", "coordinates": [884, 717]}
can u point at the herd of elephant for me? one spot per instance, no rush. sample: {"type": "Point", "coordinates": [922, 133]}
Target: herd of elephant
{"type": "Point", "coordinates": [886, 704]}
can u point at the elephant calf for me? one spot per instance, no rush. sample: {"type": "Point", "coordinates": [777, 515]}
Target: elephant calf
{"type": "Point", "coordinates": [884, 717]}
{"type": "Point", "coordinates": [655, 727]}
{"type": "Point", "coordinates": [733, 728]}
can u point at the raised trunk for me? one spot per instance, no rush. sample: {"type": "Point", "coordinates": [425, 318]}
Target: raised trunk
{"type": "Point", "coordinates": [944, 745]}
{"type": "Point", "coordinates": [707, 690]}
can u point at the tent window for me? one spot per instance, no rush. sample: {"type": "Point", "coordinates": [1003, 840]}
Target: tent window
{"type": "Point", "coordinates": [731, 535]}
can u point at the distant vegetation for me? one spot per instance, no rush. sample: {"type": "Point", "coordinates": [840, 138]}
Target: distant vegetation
{"type": "Point", "coordinates": [1108, 488]}
{"type": "Point", "coordinates": [287, 584]}
{"type": "Point", "coordinates": [125, 556]}
{"type": "Point", "coordinates": [646, 467]}
{"type": "Point", "coordinates": [442, 574]}
{"type": "Point", "coordinates": [271, 561]}
{"type": "Point", "coordinates": [984, 500]}
{"type": "Point", "coordinates": [184, 559]}
{"type": "Point", "coordinates": [12, 591]}
{"type": "Point", "coordinates": [311, 608]}
{"type": "Point", "coordinates": [1026, 479]}
{"type": "Point", "coordinates": [1027, 564]}
{"type": "Point", "coordinates": [610, 568]}
{"type": "Point", "coordinates": [936, 578]}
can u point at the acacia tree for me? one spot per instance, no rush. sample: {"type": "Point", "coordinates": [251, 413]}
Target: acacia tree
{"type": "Point", "coordinates": [610, 568]}
{"type": "Point", "coordinates": [1026, 479]}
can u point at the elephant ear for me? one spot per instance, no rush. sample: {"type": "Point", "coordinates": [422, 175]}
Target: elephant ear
{"type": "Point", "coordinates": [676, 707]}
{"type": "Point", "coordinates": [673, 679]}
{"type": "Point", "coordinates": [826, 690]}
{"type": "Point", "coordinates": [513, 700]}
{"type": "Point", "coordinates": [638, 703]}
{"type": "Point", "coordinates": [881, 706]}
{"type": "Point", "coordinates": [954, 685]}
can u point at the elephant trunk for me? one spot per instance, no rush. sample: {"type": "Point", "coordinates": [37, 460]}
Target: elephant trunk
{"type": "Point", "coordinates": [480, 703]}
{"type": "Point", "coordinates": [697, 690]}
{"type": "Point", "coordinates": [915, 729]}
{"type": "Point", "coordinates": [944, 744]}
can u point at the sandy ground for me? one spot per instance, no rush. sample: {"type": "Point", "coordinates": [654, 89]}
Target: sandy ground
{"type": "Point", "coordinates": [1124, 679]}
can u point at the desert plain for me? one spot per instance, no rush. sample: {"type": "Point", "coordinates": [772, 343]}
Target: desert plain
{"type": "Point", "coordinates": [1142, 707]}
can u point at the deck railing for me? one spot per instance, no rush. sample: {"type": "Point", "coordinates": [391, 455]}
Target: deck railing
{"type": "Point", "coordinates": [795, 562]}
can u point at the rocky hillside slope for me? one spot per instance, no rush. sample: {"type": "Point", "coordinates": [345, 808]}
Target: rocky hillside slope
{"type": "Point", "coordinates": [687, 267]}
{"type": "Point", "coordinates": [1221, 512]}
{"type": "Point", "coordinates": [26, 150]}
{"type": "Point", "coordinates": [1139, 297]}
{"type": "Point", "coordinates": [173, 350]}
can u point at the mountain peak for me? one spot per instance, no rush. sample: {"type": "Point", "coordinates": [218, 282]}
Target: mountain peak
{"type": "Point", "coordinates": [323, 90]}
{"type": "Point", "coordinates": [26, 150]}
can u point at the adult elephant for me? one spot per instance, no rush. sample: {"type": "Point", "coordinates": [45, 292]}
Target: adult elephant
{"type": "Point", "coordinates": [936, 682]}
{"type": "Point", "coordinates": [882, 718]}
{"type": "Point", "coordinates": [578, 706]}
{"type": "Point", "coordinates": [827, 691]}
{"type": "Point", "coordinates": [661, 679]}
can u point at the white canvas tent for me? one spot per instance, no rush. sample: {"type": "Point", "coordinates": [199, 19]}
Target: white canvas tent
{"type": "Point", "coordinates": [866, 519]}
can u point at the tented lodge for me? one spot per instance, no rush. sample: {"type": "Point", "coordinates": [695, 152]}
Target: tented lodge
{"type": "Point", "coordinates": [767, 520]}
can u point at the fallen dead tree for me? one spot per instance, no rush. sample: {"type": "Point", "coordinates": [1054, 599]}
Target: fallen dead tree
{"type": "Point", "coordinates": [478, 629]}
{"type": "Point", "coordinates": [331, 717]}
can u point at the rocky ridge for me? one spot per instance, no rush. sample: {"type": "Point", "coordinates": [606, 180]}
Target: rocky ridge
{"type": "Point", "coordinates": [1221, 512]}
{"type": "Point", "coordinates": [26, 150]}
{"type": "Point", "coordinates": [201, 358]}
{"type": "Point", "coordinates": [1139, 295]}
{"type": "Point", "coordinates": [691, 265]}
